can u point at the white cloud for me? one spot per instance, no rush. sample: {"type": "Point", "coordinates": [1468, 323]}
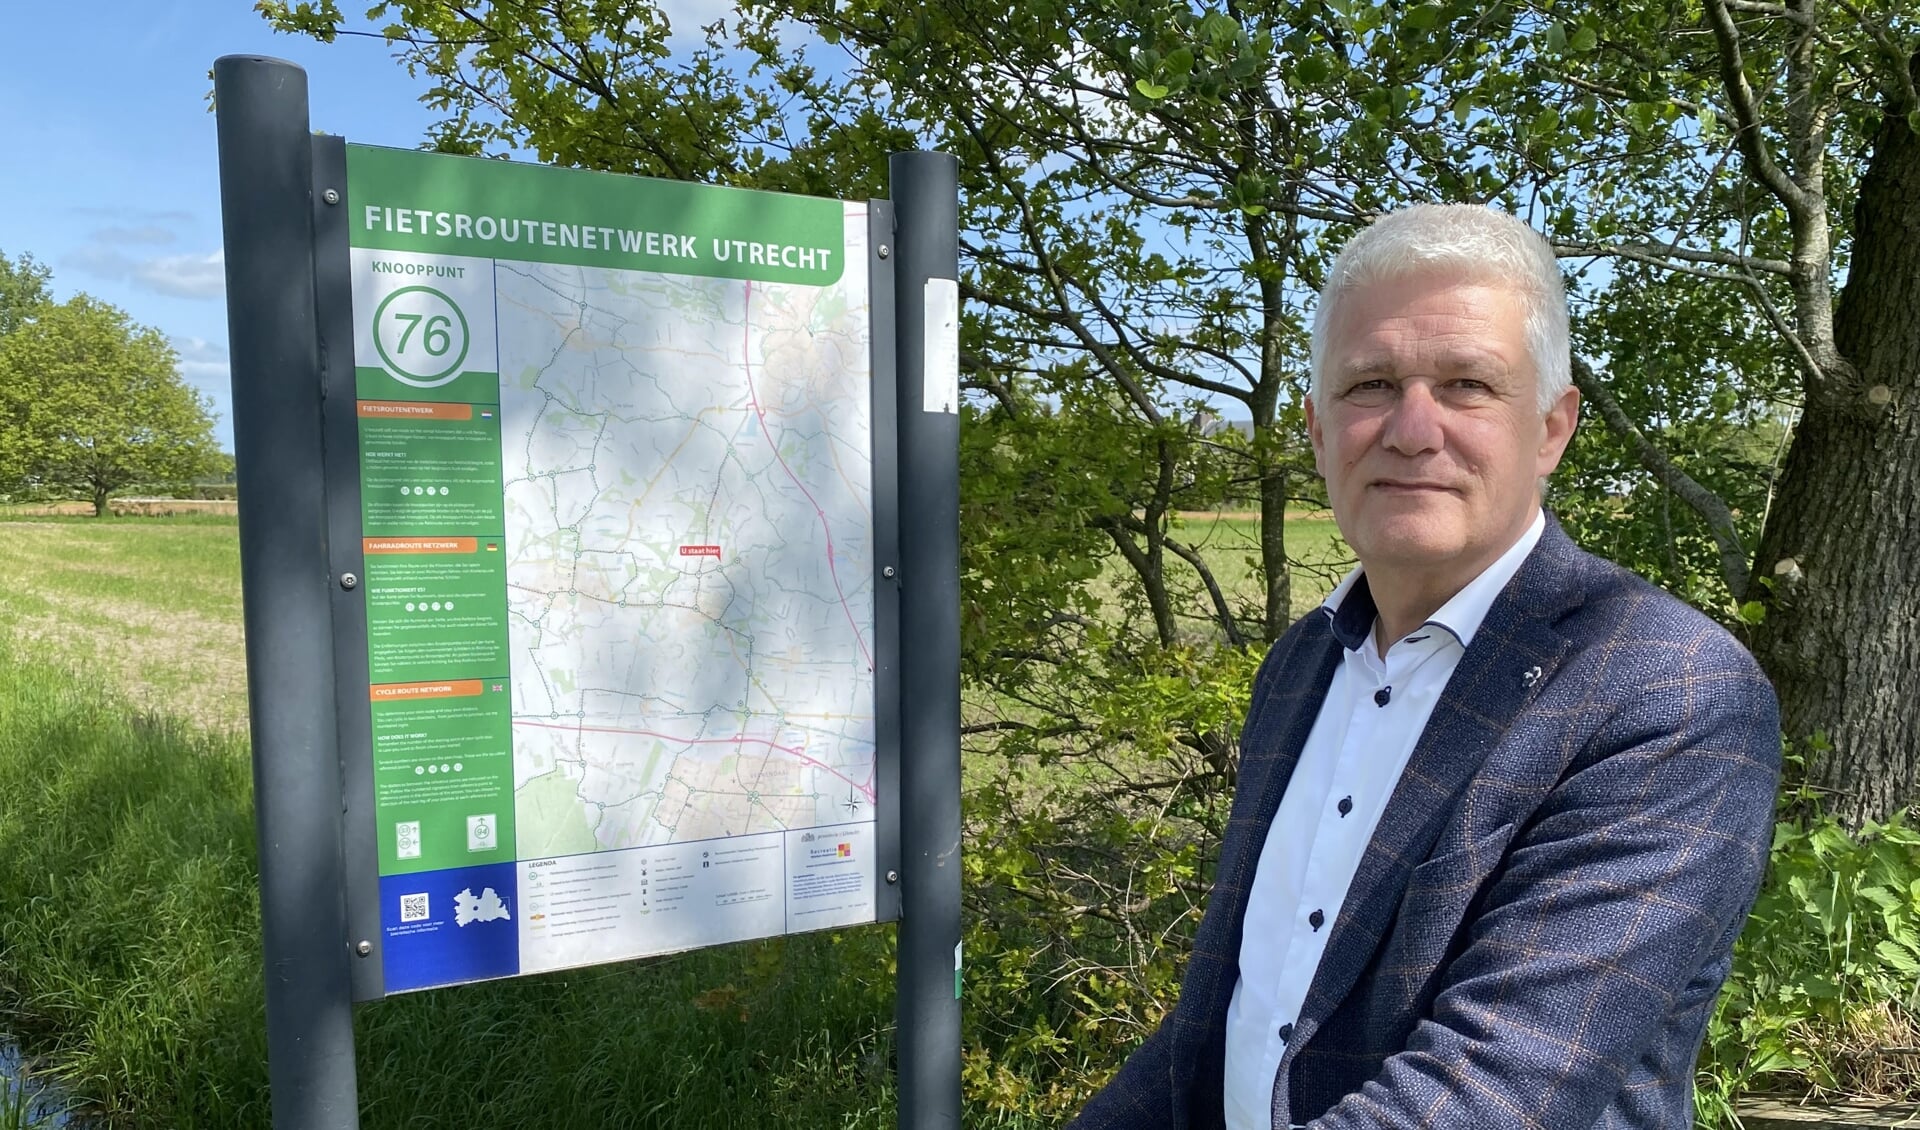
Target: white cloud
{"type": "Point", "coordinates": [204, 365]}
{"type": "Point", "coordinates": [146, 233]}
{"type": "Point", "coordinates": [122, 249]}
{"type": "Point", "coordinates": [193, 275]}
{"type": "Point", "coordinates": [200, 357]}
{"type": "Point", "coordinates": [146, 215]}
{"type": "Point", "coordinates": [184, 276]}
{"type": "Point", "coordinates": [103, 262]}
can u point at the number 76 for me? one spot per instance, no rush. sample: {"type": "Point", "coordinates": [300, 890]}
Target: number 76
{"type": "Point", "coordinates": [438, 337]}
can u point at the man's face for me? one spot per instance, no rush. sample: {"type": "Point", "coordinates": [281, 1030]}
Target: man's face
{"type": "Point", "coordinates": [1431, 439]}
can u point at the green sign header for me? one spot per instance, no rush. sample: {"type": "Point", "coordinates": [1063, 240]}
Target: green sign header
{"type": "Point", "coordinates": [407, 200]}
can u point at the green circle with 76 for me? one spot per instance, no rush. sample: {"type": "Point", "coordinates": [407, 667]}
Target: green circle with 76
{"type": "Point", "coordinates": [416, 329]}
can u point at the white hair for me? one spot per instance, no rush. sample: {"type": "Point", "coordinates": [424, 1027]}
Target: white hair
{"type": "Point", "coordinates": [1476, 245]}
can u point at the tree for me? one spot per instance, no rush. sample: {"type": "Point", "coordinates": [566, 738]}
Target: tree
{"type": "Point", "coordinates": [1763, 155]}
{"type": "Point", "coordinates": [93, 403]}
{"type": "Point", "coordinates": [23, 288]}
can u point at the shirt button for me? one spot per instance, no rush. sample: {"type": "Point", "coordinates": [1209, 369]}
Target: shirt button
{"type": "Point", "coordinates": [1381, 696]}
{"type": "Point", "coordinates": [1346, 805]}
{"type": "Point", "coordinates": [1286, 1032]}
{"type": "Point", "coordinates": [1316, 920]}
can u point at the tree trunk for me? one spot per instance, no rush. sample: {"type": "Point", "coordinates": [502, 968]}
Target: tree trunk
{"type": "Point", "coordinates": [1839, 561]}
{"type": "Point", "coordinates": [99, 502]}
{"type": "Point", "coordinates": [1273, 549]}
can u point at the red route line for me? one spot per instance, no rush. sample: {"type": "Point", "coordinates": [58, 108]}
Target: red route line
{"type": "Point", "coordinates": [865, 790]}
{"type": "Point", "coordinates": [760, 414]}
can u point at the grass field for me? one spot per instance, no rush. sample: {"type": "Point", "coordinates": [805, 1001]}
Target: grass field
{"type": "Point", "coordinates": [150, 606]}
{"type": "Point", "coordinates": [128, 903]}
{"type": "Point", "coordinates": [132, 976]}
{"type": "Point", "coordinates": [1230, 542]}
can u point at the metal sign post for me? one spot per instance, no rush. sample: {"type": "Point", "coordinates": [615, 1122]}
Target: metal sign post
{"type": "Point", "coordinates": [925, 190]}
{"type": "Point", "coordinates": [266, 204]}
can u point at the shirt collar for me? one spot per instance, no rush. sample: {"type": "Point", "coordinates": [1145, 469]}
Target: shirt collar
{"type": "Point", "coordinates": [1351, 608]}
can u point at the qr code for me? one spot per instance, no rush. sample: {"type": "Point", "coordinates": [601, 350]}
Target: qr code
{"type": "Point", "coordinates": [413, 908]}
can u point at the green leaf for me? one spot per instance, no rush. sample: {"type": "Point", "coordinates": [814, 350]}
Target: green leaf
{"type": "Point", "coordinates": [1899, 957]}
{"type": "Point", "coordinates": [1882, 897]}
{"type": "Point", "coordinates": [1312, 70]}
{"type": "Point", "coordinates": [1821, 988]}
{"type": "Point", "coordinates": [1776, 1059]}
{"type": "Point", "coordinates": [1752, 612]}
{"type": "Point", "coordinates": [1556, 38]}
{"type": "Point", "coordinates": [1584, 40]}
{"type": "Point", "coordinates": [1149, 89]}
{"type": "Point", "coordinates": [1422, 17]}
{"type": "Point", "coordinates": [1218, 29]}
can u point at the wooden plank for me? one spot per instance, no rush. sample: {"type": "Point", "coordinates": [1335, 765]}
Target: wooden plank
{"type": "Point", "coordinates": [1771, 1115]}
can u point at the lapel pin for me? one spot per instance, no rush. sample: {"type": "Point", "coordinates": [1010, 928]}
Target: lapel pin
{"type": "Point", "coordinates": [1531, 677]}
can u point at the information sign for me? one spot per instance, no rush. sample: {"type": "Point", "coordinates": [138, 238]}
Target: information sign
{"type": "Point", "coordinates": [616, 477]}
{"type": "Point", "coordinates": [582, 518]}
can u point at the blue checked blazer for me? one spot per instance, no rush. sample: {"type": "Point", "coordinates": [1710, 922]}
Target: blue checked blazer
{"type": "Point", "coordinates": [1537, 931]}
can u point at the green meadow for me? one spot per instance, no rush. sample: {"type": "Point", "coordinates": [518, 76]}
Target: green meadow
{"type": "Point", "coordinates": [1230, 544]}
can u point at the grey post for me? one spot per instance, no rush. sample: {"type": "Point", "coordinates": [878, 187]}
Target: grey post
{"type": "Point", "coordinates": [266, 178]}
{"type": "Point", "coordinates": [925, 192]}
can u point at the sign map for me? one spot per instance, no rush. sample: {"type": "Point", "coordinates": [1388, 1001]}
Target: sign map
{"type": "Point", "coordinates": [616, 467]}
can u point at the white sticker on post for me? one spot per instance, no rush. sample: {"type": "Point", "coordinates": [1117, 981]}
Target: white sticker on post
{"type": "Point", "coordinates": [941, 363]}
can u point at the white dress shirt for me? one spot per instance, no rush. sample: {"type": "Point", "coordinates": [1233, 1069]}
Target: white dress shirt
{"type": "Point", "coordinates": [1368, 724]}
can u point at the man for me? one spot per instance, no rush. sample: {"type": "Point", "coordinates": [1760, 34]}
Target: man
{"type": "Point", "coordinates": [1502, 806]}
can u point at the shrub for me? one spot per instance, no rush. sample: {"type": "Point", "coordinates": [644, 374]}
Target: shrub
{"type": "Point", "coordinates": [1822, 997]}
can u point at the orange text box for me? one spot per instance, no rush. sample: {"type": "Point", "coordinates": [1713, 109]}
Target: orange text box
{"type": "Point", "coordinates": [413, 410]}
{"type": "Point", "coordinates": [454, 688]}
{"type": "Point", "coordinates": [421, 545]}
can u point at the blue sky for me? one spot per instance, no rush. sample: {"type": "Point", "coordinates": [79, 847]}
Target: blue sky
{"type": "Point", "coordinates": [112, 175]}
{"type": "Point", "coordinates": [113, 178]}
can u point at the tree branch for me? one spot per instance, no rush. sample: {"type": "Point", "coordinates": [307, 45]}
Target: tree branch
{"type": "Point", "coordinates": [1906, 98]}
{"type": "Point", "coordinates": [1758, 8]}
{"type": "Point", "coordinates": [1746, 112]}
{"type": "Point", "coordinates": [1802, 196]}
{"type": "Point", "coordinates": [1220, 609]}
{"type": "Point", "coordinates": [1650, 251]}
{"type": "Point", "coordinates": [1734, 567]}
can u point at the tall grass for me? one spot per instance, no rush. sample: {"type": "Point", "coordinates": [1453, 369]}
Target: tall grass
{"type": "Point", "coordinates": [130, 965]}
